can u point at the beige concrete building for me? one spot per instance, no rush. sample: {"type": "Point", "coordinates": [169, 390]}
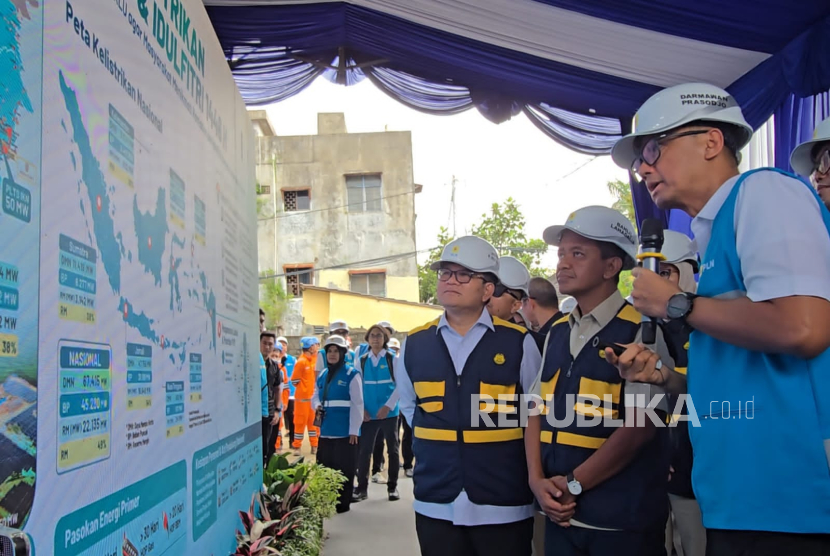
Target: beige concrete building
{"type": "Point", "coordinates": [337, 209]}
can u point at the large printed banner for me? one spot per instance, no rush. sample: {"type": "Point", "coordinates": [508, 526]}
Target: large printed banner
{"type": "Point", "coordinates": [129, 383]}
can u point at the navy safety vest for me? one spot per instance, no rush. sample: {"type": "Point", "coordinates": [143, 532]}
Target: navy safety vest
{"type": "Point", "coordinates": [785, 431]}
{"type": "Point", "coordinates": [677, 339]}
{"type": "Point", "coordinates": [634, 499]}
{"type": "Point", "coordinates": [336, 401]}
{"type": "Point", "coordinates": [454, 453]}
{"type": "Point", "coordinates": [378, 384]}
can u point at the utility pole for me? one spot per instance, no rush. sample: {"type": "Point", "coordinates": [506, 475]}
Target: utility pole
{"type": "Point", "coordinates": [452, 205]}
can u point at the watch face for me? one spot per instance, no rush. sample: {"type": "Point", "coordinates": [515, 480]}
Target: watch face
{"type": "Point", "coordinates": [575, 488]}
{"type": "Point", "coordinates": [678, 306]}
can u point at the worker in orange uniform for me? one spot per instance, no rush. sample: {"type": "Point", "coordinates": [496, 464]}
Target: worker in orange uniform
{"type": "Point", "coordinates": [303, 380]}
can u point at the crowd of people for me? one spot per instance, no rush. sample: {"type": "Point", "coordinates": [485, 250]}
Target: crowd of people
{"type": "Point", "coordinates": [570, 431]}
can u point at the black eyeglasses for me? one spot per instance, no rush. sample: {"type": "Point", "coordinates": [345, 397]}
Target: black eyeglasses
{"type": "Point", "coordinates": [501, 289]}
{"type": "Point", "coordinates": [650, 153]}
{"type": "Point", "coordinates": [461, 276]}
{"type": "Point", "coordinates": [822, 164]}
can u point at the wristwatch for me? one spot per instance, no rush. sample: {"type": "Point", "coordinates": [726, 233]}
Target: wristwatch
{"type": "Point", "coordinates": [680, 305]}
{"type": "Point", "coordinates": [574, 486]}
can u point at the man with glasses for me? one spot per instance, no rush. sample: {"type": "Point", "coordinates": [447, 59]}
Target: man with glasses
{"type": "Point", "coordinates": [812, 158]}
{"type": "Point", "coordinates": [758, 357]}
{"type": "Point", "coordinates": [471, 490]}
{"type": "Point", "coordinates": [511, 290]}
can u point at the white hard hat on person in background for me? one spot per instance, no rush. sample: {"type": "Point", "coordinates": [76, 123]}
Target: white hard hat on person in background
{"type": "Point", "coordinates": [338, 325]}
{"type": "Point", "coordinates": [679, 248]}
{"type": "Point", "coordinates": [394, 343]}
{"type": "Point", "coordinates": [283, 340]}
{"type": "Point", "coordinates": [514, 275]}
{"type": "Point", "coordinates": [567, 305]}
{"type": "Point", "coordinates": [335, 340]}
{"type": "Point", "coordinates": [387, 325]}
{"type": "Point", "coordinates": [471, 252]}
{"type": "Point", "coordinates": [678, 106]}
{"type": "Point", "coordinates": [599, 224]}
{"type": "Point", "coordinates": [802, 157]}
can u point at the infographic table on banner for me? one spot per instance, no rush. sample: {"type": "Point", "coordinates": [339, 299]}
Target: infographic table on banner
{"type": "Point", "coordinates": [129, 380]}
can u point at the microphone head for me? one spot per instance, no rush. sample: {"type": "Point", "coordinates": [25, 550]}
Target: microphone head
{"type": "Point", "coordinates": [651, 234]}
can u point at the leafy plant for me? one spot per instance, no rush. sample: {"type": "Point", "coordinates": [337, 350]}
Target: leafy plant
{"type": "Point", "coordinates": [324, 486]}
{"type": "Point", "coordinates": [280, 475]}
{"type": "Point", "coordinates": [260, 534]}
{"type": "Point", "coordinates": [274, 299]}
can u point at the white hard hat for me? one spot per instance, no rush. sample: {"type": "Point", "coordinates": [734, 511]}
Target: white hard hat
{"type": "Point", "coordinates": [567, 305]}
{"type": "Point", "coordinates": [471, 252]}
{"type": "Point", "coordinates": [600, 224]}
{"type": "Point", "coordinates": [514, 274]}
{"type": "Point", "coordinates": [801, 160]}
{"type": "Point", "coordinates": [677, 106]}
{"type": "Point", "coordinates": [282, 339]}
{"type": "Point", "coordinates": [339, 325]}
{"type": "Point", "coordinates": [335, 340]}
{"type": "Point", "coordinates": [394, 343]}
{"type": "Point", "coordinates": [387, 325]}
{"type": "Point", "coordinates": [679, 248]}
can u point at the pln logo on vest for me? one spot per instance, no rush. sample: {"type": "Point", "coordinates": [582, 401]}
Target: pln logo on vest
{"type": "Point", "coordinates": [499, 359]}
{"type": "Point", "coordinates": [708, 265]}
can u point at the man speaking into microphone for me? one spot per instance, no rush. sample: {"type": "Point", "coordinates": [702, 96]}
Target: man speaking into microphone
{"type": "Point", "coordinates": [761, 325]}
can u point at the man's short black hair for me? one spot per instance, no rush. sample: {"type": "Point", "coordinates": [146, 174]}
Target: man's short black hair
{"type": "Point", "coordinates": [261, 313]}
{"type": "Point", "coordinates": [609, 250]}
{"type": "Point", "coordinates": [543, 293]}
{"type": "Point", "coordinates": [267, 334]}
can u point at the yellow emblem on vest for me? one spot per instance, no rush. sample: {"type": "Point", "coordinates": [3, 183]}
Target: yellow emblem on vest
{"type": "Point", "coordinates": [686, 346]}
{"type": "Point", "coordinates": [499, 359]}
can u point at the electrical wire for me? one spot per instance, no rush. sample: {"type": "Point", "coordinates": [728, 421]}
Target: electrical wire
{"type": "Point", "coordinates": [299, 212]}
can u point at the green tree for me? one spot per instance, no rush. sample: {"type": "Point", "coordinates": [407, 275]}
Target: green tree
{"type": "Point", "coordinates": [504, 228]}
{"type": "Point", "coordinates": [273, 300]}
{"type": "Point", "coordinates": [624, 203]}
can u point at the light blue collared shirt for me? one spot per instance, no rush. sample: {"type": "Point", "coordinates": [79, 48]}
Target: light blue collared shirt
{"type": "Point", "coordinates": [462, 511]}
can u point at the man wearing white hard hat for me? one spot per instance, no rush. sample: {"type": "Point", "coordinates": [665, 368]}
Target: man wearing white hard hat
{"type": "Point", "coordinates": [604, 486]}
{"type": "Point", "coordinates": [758, 354]}
{"type": "Point", "coordinates": [812, 159]}
{"type": "Point", "coordinates": [679, 267]}
{"type": "Point", "coordinates": [471, 490]}
{"type": "Point", "coordinates": [511, 290]}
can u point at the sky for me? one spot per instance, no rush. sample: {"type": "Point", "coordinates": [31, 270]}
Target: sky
{"type": "Point", "coordinates": [490, 162]}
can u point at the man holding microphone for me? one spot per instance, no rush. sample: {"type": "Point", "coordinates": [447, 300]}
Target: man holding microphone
{"type": "Point", "coordinates": [761, 321]}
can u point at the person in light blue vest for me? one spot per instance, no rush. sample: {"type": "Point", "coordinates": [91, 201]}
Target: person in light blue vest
{"type": "Point", "coordinates": [380, 416]}
{"type": "Point", "coordinates": [288, 361]}
{"type": "Point", "coordinates": [759, 364]}
{"type": "Point", "coordinates": [338, 402]}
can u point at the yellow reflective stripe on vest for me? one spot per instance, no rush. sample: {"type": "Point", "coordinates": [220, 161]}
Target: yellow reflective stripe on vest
{"type": "Point", "coordinates": [429, 389]}
{"type": "Point", "coordinates": [435, 434]}
{"type": "Point", "coordinates": [431, 407]}
{"type": "Point", "coordinates": [496, 390]}
{"type": "Point", "coordinates": [496, 435]}
{"type": "Point", "coordinates": [681, 370]}
{"type": "Point", "coordinates": [598, 389]}
{"type": "Point", "coordinates": [595, 411]}
{"type": "Point", "coordinates": [546, 392]}
{"type": "Point", "coordinates": [546, 437]}
{"type": "Point", "coordinates": [579, 440]}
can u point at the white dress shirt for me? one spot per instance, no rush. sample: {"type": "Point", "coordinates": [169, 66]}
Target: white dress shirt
{"type": "Point", "coordinates": [462, 511]}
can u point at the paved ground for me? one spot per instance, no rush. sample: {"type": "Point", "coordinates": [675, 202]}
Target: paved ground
{"type": "Point", "coordinates": [375, 526]}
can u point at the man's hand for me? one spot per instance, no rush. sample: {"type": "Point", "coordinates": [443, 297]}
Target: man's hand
{"type": "Point", "coordinates": [366, 416]}
{"type": "Point", "coordinates": [353, 439]}
{"type": "Point", "coordinates": [651, 293]}
{"type": "Point", "coordinates": [550, 498]}
{"type": "Point", "coordinates": [276, 420]}
{"type": "Point", "coordinates": [638, 364]}
{"type": "Point", "coordinates": [383, 413]}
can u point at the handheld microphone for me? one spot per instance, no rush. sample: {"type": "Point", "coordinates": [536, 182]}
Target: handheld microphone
{"type": "Point", "coordinates": [651, 243]}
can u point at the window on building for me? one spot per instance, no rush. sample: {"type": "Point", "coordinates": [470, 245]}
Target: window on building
{"type": "Point", "coordinates": [364, 193]}
{"type": "Point", "coordinates": [369, 283]}
{"type": "Point", "coordinates": [263, 190]}
{"type": "Point", "coordinates": [298, 199]}
{"type": "Point", "coordinates": [297, 275]}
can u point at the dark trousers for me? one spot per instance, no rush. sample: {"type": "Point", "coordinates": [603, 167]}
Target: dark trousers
{"type": "Point", "coordinates": [377, 455]}
{"type": "Point", "coordinates": [441, 538]}
{"type": "Point", "coordinates": [337, 453]}
{"type": "Point", "coordinates": [721, 542]}
{"type": "Point", "coordinates": [266, 435]}
{"type": "Point", "coordinates": [389, 429]}
{"type": "Point", "coordinates": [288, 417]}
{"type": "Point", "coordinates": [272, 440]}
{"type": "Point", "coordinates": [406, 444]}
{"type": "Point", "coordinates": [579, 541]}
